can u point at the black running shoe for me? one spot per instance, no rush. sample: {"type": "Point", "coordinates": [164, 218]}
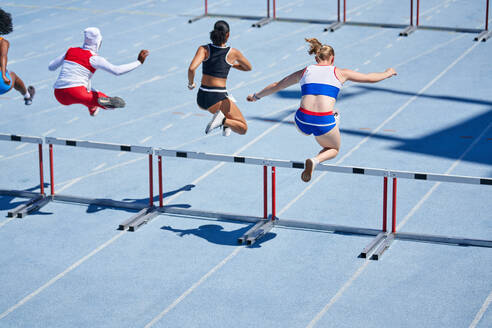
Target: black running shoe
{"type": "Point", "coordinates": [31, 91]}
{"type": "Point", "coordinates": [111, 102]}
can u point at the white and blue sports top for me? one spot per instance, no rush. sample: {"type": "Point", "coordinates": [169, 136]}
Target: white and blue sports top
{"type": "Point", "coordinates": [320, 80]}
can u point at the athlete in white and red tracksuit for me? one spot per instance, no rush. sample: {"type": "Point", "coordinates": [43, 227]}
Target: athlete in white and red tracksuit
{"type": "Point", "coordinates": [78, 65]}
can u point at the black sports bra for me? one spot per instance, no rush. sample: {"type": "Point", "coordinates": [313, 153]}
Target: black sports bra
{"type": "Point", "coordinates": [216, 64]}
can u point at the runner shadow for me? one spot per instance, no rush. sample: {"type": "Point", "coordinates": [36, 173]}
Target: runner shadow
{"type": "Point", "coordinates": [96, 208]}
{"type": "Point", "coordinates": [215, 234]}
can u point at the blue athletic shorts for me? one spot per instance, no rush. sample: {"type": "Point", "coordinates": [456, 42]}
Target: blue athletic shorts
{"type": "Point", "coordinates": [314, 123]}
{"type": "Point", "coordinates": [4, 87]}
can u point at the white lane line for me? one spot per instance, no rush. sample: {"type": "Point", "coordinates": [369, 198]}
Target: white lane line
{"type": "Point", "coordinates": [285, 57]}
{"type": "Point", "coordinates": [155, 36]}
{"type": "Point", "coordinates": [121, 153]}
{"type": "Point", "coordinates": [122, 51]}
{"type": "Point", "coordinates": [1, 156]}
{"type": "Point", "coordinates": [137, 44]}
{"type": "Point", "coordinates": [257, 74]}
{"type": "Point", "coordinates": [193, 287]}
{"type": "Point", "coordinates": [236, 250]}
{"type": "Point", "coordinates": [437, 184]}
{"type": "Point", "coordinates": [300, 48]}
{"type": "Point", "coordinates": [166, 127]}
{"type": "Point", "coordinates": [6, 221]}
{"type": "Point", "coordinates": [364, 265]}
{"type": "Point", "coordinates": [481, 312]}
{"type": "Point", "coordinates": [239, 84]}
{"type": "Point", "coordinates": [272, 64]}
{"type": "Point", "coordinates": [367, 62]}
{"type": "Point", "coordinates": [21, 146]}
{"type": "Point", "coordinates": [48, 46]}
{"type": "Point", "coordinates": [186, 115]}
{"type": "Point", "coordinates": [171, 29]}
{"type": "Point", "coordinates": [61, 275]}
{"type": "Point", "coordinates": [389, 45]}
{"type": "Point", "coordinates": [68, 38]}
{"type": "Point", "coordinates": [338, 294]}
{"type": "Point", "coordinates": [17, 155]}
{"type": "Point", "coordinates": [145, 139]}
{"type": "Point", "coordinates": [173, 68]}
{"type": "Point", "coordinates": [76, 118]}
{"type": "Point", "coordinates": [44, 134]}
{"type": "Point", "coordinates": [100, 166]}
{"type": "Point", "coordinates": [377, 54]}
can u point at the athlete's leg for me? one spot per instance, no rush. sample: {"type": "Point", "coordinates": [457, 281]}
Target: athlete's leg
{"type": "Point", "coordinates": [233, 116]}
{"type": "Point", "coordinates": [330, 142]}
{"type": "Point", "coordinates": [19, 85]}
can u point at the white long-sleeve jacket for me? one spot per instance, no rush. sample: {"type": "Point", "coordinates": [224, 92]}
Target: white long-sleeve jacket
{"type": "Point", "coordinates": [79, 64]}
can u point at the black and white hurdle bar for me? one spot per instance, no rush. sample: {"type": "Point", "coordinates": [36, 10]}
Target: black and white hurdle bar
{"type": "Point", "coordinates": [383, 238]}
{"type": "Point", "coordinates": [38, 200]}
{"type": "Point", "coordinates": [144, 213]}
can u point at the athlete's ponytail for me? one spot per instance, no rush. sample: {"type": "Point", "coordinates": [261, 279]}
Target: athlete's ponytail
{"type": "Point", "coordinates": [321, 51]}
{"type": "Point", "coordinates": [219, 34]}
{"type": "Point", "coordinates": [5, 22]}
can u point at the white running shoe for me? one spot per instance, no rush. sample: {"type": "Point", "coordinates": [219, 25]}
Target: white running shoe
{"type": "Point", "coordinates": [216, 122]}
{"type": "Point", "coordinates": [111, 102]}
{"type": "Point", "coordinates": [31, 91]}
{"type": "Point", "coordinates": [226, 131]}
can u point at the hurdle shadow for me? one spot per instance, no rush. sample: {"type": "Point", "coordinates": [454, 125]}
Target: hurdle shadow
{"type": "Point", "coordinates": [93, 208]}
{"type": "Point", "coordinates": [215, 234]}
{"type": "Point", "coordinates": [7, 202]}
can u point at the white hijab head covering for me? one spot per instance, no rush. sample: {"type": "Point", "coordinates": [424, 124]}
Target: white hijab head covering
{"type": "Point", "coordinates": [92, 39]}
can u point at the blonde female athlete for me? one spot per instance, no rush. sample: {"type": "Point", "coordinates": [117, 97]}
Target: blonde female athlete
{"type": "Point", "coordinates": [217, 59]}
{"type": "Point", "coordinates": [320, 85]}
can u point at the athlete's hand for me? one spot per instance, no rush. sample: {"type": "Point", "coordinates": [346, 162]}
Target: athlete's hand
{"type": "Point", "coordinates": [191, 86]}
{"type": "Point", "coordinates": [252, 98]}
{"type": "Point", "coordinates": [390, 72]}
{"type": "Point", "coordinates": [5, 79]}
{"type": "Point", "coordinates": [142, 55]}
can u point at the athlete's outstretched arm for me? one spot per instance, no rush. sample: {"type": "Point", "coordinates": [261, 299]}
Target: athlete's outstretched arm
{"type": "Point", "coordinates": [277, 86]}
{"type": "Point", "coordinates": [102, 63]}
{"type": "Point", "coordinates": [4, 49]}
{"type": "Point", "coordinates": [200, 55]}
{"type": "Point", "coordinates": [240, 62]}
{"type": "Point", "coordinates": [55, 63]}
{"type": "Point", "coordinates": [349, 75]}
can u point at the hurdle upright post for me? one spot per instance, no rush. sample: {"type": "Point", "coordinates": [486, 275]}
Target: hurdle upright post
{"type": "Point", "coordinates": [151, 183]}
{"type": "Point", "coordinates": [411, 12]}
{"type": "Point", "coordinates": [487, 16]}
{"type": "Point", "coordinates": [206, 7]}
{"type": "Point", "coordinates": [393, 214]}
{"type": "Point", "coordinates": [274, 10]}
{"type": "Point", "coordinates": [273, 195]}
{"type": "Point", "coordinates": [385, 203]}
{"type": "Point", "coordinates": [52, 179]}
{"type": "Point", "coordinates": [268, 8]}
{"type": "Point", "coordinates": [344, 11]}
{"type": "Point", "coordinates": [41, 174]}
{"type": "Point", "coordinates": [265, 193]}
{"type": "Point", "coordinates": [159, 161]}
{"type": "Point", "coordinates": [417, 14]}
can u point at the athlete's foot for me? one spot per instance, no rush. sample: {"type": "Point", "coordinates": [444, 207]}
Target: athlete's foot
{"type": "Point", "coordinates": [111, 102]}
{"type": "Point", "coordinates": [308, 170]}
{"type": "Point", "coordinates": [216, 122]}
{"type": "Point", "coordinates": [30, 94]}
{"type": "Point", "coordinates": [226, 131]}
{"type": "Point", "coordinates": [93, 111]}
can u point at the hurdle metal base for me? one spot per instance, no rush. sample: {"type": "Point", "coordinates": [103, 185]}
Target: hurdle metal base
{"type": "Point", "coordinates": [27, 208]}
{"type": "Point", "coordinates": [262, 22]}
{"type": "Point", "coordinates": [194, 19]}
{"type": "Point", "coordinates": [483, 36]}
{"type": "Point", "coordinates": [407, 31]}
{"type": "Point", "coordinates": [139, 219]}
{"type": "Point", "coordinates": [333, 27]}
{"type": "Point", "coordinates": [372, 245]}
{"type": "Point", "coordinates": [241, 240]}
{"type": "Point", "coordinates": [383, 247]}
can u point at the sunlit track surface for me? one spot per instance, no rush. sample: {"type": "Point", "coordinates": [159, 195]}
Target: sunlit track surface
{"type": "Point", "coordinates": [67, 265]}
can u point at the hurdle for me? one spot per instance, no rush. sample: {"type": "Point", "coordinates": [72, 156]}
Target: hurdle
{"type": "Point", "coordinates": [260, 20]}
{"type": "Point", "coordinates": [383, 238]}
{"type": "Point", "coordinates": [145, 212]}
{"type": "Point", "coordinates": [38, 200]}
{"type": "Point", "coordinates": [483, 34]}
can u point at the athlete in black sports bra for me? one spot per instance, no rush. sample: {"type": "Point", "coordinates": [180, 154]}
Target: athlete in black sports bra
{"type": "Point", "coordinates": [217, 59]}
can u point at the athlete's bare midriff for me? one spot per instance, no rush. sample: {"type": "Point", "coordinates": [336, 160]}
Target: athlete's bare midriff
{"type": "Point", "coordinates": [318, 103]}
{"type": "Point", "coordinates": [213, 81]}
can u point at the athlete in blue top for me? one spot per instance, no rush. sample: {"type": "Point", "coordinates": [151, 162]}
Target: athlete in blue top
{"type": "Point", "coordinates": [10, 79]}
{"type": "Point", "coordinates": [320, 85]}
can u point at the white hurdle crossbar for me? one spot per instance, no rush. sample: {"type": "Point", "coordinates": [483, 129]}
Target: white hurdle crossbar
{"type": "Point", "coordinates": [39, 200]}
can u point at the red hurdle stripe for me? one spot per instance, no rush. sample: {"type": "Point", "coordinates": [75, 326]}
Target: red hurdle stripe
{"type": "Point", "coordinates": [151, 183]}
{"type": "Point", "coordinates": [160, 180]}
{"type": "Point", "coordinates": [273, 194]}
{"type": "Point", "coordinates": [393, 218]}
{"type": "Point", "coordinates": [385, 203]}
{"type": "Point", "coordinates": [52, 183]}
{"type": "Point", "coordinates": [41, 175]}
{"type": "Point", "coordinates": [265, 193]}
